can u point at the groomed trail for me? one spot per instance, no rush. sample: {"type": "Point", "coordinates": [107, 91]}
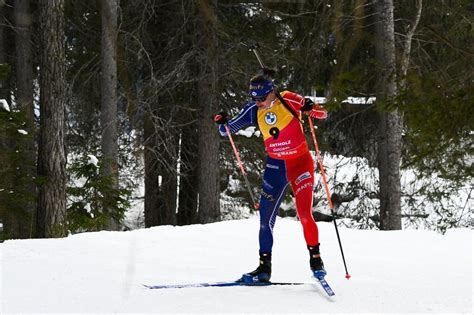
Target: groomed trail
{"type": "Point", "coordinates": [406, 271]}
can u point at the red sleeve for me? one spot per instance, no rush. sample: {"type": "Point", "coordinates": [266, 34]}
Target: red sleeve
{"type": "Point", "coordinates": [319, 112]}
{"type": "Point", "coordinates": [295, 101]}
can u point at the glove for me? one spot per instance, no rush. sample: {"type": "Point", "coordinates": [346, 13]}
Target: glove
{"type": "Point", "coordinates": [308, 105]}
{"type": "Point", "coordinates": [315, 111]}
{"type": "Point", "coordinates": [221, 118]}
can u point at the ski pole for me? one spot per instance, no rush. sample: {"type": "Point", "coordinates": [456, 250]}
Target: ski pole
{"type": "Point", "coordinates": [253, 47]}
{"type": "Point", "coordinates": [241, 166]}
{"type": "Point", "coordinates": [326, 188]}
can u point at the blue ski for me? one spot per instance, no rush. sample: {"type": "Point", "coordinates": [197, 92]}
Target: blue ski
{"type": "Point", "coordinates": [325, 286]}
{"type": "Point", "coordinates": [220, 284]}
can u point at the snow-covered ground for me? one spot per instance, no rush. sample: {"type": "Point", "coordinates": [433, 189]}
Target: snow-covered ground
{"type": "Point", "coordinates": [400, 271]}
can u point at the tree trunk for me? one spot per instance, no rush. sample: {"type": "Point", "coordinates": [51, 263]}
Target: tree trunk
{"type": "Point", "coordinates": [4, 90]}
{"type": "Point", "coordinates": [151, 173]}
{"type": "Point", "coordinates": [188, 184]}
{"type": "Point", "coordinates": [24, 99]}
{"type": "Point", "coordinates": [4, 94]}
{"type": "Point", "coordinates": [208, 142]}
{"type": "Point", "coordinates": [160, 171]}
{"type": "Point", "coordinates": [167, 196]}
{"type": "Point", "coordinates": [167, 158]}
{"type": "Point", "coordinates": [108, 116]}
{"type": "Point", "coordinates": [390, 121]}
{"type": "Point", "coordinates": [51, 218]}
{"type": "Point", "coordinates": [405, 59]}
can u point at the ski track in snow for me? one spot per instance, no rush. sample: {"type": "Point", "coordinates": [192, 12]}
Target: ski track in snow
{"type": "Point", "coordinates": [408, 271]}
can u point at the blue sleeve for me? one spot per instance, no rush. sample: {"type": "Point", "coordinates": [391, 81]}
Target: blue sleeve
{"type": "Point", "coordinates": [246, 117]}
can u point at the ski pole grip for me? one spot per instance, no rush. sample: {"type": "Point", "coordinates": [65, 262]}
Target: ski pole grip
{"type": "Point", "coordinates": [251, 45]}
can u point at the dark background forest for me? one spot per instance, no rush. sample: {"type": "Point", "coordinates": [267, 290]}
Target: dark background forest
{"type": "Point", "coordinates": [102, 97]}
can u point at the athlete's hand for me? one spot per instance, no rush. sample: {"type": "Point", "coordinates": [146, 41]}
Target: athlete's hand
{"type": "Point", "coordinates": [313, 110]}
{"type": "Point", "coordinates": [221, 118]}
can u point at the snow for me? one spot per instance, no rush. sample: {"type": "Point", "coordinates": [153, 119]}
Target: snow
{"type": "Point", "coordinates": [350, 99]}
{"type": "Point", "coordinates": [92, 160]}
{"type": "Point", "coordinates": [249, 132]}
{"type": "Point", "coordinates": [359, 100]}
{"type": "Point", "coordinates": [317, 99]}
{"type": "Point", "coordinates": [102, 272]}
{"type": "Point", "coordinates": [4, 105]}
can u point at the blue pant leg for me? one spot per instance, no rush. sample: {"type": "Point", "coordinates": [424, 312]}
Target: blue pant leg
{"type": "Point", "coordinates": [274, 187]}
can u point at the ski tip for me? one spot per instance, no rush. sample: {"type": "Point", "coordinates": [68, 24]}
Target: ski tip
{"type": "Point", "coordinates": [348, 276]}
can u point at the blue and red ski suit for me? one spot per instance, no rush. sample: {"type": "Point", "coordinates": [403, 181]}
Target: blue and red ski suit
{"type": "Point", "coordinates": [288, 163]}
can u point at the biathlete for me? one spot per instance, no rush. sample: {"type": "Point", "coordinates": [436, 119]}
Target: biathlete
{"type": "Point", "coordinates": [278, 116]}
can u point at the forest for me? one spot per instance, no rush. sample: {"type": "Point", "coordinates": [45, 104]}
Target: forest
{"type": "Point", "coordinates": [105, 104]}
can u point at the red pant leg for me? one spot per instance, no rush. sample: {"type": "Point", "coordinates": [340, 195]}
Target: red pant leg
{"type": "Point", "coordinates": [300, 173]}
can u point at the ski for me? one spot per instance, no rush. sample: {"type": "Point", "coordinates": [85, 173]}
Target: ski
{"type": "Point", "coordinates": [325, 286]}
{"type": "Point", "coordinates": [221, 284]}
{"type": "Point", "coordinates": [321, 281]}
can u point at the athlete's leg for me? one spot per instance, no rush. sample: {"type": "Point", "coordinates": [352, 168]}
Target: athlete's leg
{"type": "Point", "coordinates": [273, 192]}
{"type": "Point", "coordinates": [301, 176]}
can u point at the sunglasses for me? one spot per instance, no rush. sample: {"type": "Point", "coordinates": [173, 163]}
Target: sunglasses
{"type": "Point", "coordinates": [260, 99]}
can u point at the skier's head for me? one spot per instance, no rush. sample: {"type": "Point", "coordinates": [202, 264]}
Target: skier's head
{"type": "Point", "coordinates": [260, 87]}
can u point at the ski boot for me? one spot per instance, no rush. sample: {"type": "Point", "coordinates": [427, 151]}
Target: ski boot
{"type": "Point", "coordinates": [316, 263]}
{"type": "Point", "coordinates": [262, 273]}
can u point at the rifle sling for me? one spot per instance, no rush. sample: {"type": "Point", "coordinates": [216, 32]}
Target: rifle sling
{"type": "Point", "coordinates": [282, 100]}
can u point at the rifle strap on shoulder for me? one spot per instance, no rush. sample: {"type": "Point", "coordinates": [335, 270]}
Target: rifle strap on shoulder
{"type": "Point", "coordinates": [282, 100]}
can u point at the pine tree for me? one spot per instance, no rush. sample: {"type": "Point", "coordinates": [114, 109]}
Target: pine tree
{"type": "Point", "coordinates": [108, 115]}
{"type": "Point", "coordinates": [51, 217]}
{"type": "Point", "coordinates": [208, 144]}
{"type": "Point", "coordinates": [24, 100]}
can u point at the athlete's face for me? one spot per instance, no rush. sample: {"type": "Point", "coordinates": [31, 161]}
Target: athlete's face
{"type": "Point", "coordinates": [265, 101]}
